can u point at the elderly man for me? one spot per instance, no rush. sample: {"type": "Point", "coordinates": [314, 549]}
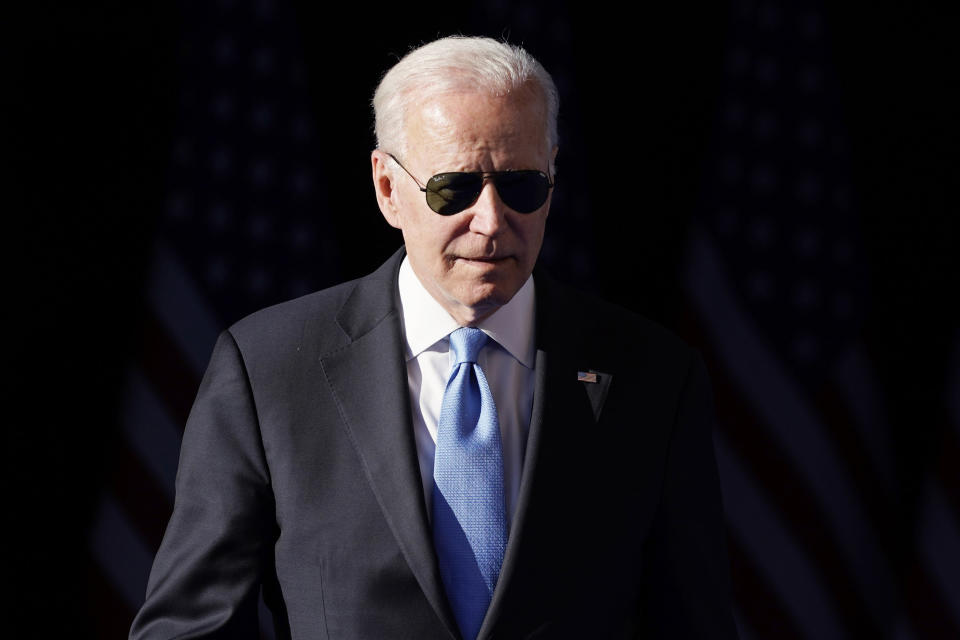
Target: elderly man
{"type": "Point", "coordinates": [454, 446]}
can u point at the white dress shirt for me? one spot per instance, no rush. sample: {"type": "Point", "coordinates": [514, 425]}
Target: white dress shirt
{"type": "Point", "coordinates": [507, 361]}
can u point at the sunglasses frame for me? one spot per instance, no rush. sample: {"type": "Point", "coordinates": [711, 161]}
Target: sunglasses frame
{"type": "Point", "coordinates": [484, 176]}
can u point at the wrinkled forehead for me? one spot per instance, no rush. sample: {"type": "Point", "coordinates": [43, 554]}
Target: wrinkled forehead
{"type": "Point", "coordinates": [466, 114]}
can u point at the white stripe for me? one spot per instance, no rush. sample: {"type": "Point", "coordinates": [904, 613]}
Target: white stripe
{"type": "Point", "coordinates": [743, 628]}
{"type": "Point", "coordinates": [121, 553]}
{"type": "Point", "coordinates": [151, 432]}
{"type": "Point", "coordinates": [855, 381]}
{"type": "Point", "coordinates": [773, 550]}
{"type": "Point", "coordinates": [183, 311]}
{"type": "Point", "coordinates": [939, 541]}
{"type": "Point", "coordinates": [770, 390]}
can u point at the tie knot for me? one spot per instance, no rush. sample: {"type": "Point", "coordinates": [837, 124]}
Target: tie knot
{"type": "Point", "coordinates": [466, 343]}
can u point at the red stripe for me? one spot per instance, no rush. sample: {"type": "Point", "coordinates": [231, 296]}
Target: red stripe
{"type": "Point", "coordinates": [791, 499]}
{"type": "Point", "coordinates": [167, 370]}
{"type": "Point", "coordinates": [925, 604]}
{"type": "Point", "coordinates": [140, 498]}
{"type": "Point", "coordinates": [112, 616]}
{"type": "Point", "coordinates": [763, 610]}
{"type": "Point", "coordinates": [927, 607]}
{"type": "Point", "coordinates": [879, 506]}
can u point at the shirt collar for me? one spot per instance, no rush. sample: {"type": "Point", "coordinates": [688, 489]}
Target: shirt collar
{"type": "Point", "coordinates": [425, 322]}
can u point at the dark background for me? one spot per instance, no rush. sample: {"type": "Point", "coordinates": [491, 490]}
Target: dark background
{"type": "Point", "coordinates": [811, 145]}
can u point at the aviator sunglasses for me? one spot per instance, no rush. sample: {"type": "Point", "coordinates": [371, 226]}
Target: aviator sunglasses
{"type": "Point", "coordinates": [524, 190]}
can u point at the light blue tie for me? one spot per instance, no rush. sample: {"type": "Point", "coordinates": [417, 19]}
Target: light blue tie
{"type": "Point", "coordinates": [469, 519]}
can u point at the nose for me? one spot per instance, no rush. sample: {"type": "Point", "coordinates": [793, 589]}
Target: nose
{"type": "Point", "coordinates": [488, 212]}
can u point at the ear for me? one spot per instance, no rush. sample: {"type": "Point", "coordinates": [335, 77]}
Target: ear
{"type": "Point", "coordinates": [552, 169]}
{"type": "Point", "coordinates": [387, 195]}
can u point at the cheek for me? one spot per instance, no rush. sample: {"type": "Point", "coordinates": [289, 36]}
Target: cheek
{"type": "Point", "coordinates": [428, 237]}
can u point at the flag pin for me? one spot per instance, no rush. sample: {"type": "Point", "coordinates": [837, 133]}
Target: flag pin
{"type": "Point", "coordinates": [586, 376]}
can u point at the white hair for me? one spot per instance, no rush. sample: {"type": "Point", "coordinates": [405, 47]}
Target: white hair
{"type": "Point", "coordinates": [454, 64]}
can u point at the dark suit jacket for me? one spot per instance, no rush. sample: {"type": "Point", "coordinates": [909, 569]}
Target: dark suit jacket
{"type": "Point", "coordinates": [298, 474]}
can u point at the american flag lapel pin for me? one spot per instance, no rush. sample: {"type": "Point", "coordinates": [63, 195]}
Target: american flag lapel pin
{"type": "Point", "coordinates": [586, 376]}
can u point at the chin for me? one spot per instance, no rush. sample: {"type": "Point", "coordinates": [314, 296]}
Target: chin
{"type": "Point", "coordinates": [487, 297]}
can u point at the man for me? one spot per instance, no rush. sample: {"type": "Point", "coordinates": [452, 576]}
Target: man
{"type": "Point", "coordinates": [449, 447]}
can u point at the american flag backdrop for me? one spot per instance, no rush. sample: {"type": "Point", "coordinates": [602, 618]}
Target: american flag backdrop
{"type": "Point", "coordinates": [775, 286]}
{"type": "Point", "coordinates": [245, 224]}
{"type": "Point", "coordinates": [776, 280]}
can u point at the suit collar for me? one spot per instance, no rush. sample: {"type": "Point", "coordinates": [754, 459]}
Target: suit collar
{"type": "Point", "coordinates": [545, 370]}
{"type": "Point", "coordinates": [372, 366]}
{"type": "Point", "coordinates": [563, 412]}
{"type": "Point", "coordinates": [373, 299]}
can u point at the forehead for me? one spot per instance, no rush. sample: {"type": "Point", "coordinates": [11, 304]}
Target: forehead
{"type": "Point", "coordinates": [478, 131]}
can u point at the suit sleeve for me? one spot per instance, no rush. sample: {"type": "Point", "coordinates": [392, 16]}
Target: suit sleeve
{"type": "Point", "coordinates": [206, 576]}
{"type": "Point", "coordinates": [686, 587]}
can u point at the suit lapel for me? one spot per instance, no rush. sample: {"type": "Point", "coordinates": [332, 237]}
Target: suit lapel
{"type": "Point", "coordinates": [368, 378]}
{"type": "Point", "coordinates": [511, 559]}
{"type": "Point", "coordinates": [563, 411]}
{"type": "Point", "coordinates": [596, 384]}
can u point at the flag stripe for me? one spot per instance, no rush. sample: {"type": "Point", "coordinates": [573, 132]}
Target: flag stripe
{"type": "Point", "coordinates": [835, 413]}
{"type": "Point", "coordinates": [781, 407]}
{"type": "Point", "coordinates": [151, 433]}
{"type": "Point", "coordinates": [759, 610]}
{"type": "Point", "coordinates": [940, 549]}
{"type": "Point", "coordinates": [927, 605]}
{"type": "Point", "coordinates": [181, 309]}
{"type": "Point", "coordinates": [771, 548]}
{"type": "Point", "coordinates": [113, 613]}
{"type": "Point", "coordinates": [853, 379]}
{"type": "Point", "coordinates": [167, 370]}
{"type": "Point", "coordinates": [121, 552]}
{"type": "Point", "coordinates": [786, 493]}
{"type": "Point", "coordinates": [146, 506]}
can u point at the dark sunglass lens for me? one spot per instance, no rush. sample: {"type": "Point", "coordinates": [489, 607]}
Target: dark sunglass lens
{"type": "Point", "coordinates": [450, 193]}
{"type": "Point", "coordinates": [523, 191]}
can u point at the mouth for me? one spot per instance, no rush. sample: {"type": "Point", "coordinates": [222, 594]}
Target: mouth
{"type": "Point", "coordinates": [480, 260]}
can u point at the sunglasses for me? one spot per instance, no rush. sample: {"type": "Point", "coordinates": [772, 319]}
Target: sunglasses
{"type": "Point", "coordinates": [524, 191]}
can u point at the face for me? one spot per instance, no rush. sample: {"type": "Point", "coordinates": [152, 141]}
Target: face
{"type": "Point", "coordinates": [472, 262]}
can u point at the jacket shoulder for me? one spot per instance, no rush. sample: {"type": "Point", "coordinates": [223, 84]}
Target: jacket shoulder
{"type": "Point", "coordinates": [305, 322]}
{"type": "Point", "coordinates": [603, 327]}
{"type": "Point", "coordinates": [300, 331]}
